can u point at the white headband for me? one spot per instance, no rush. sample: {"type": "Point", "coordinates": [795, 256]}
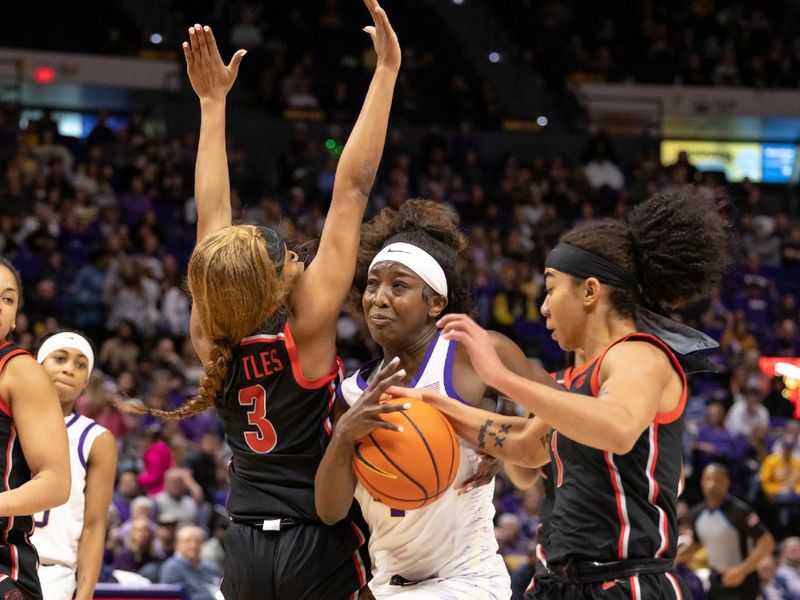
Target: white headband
{"type": "Point", "coordinates": [67, 339]}
{"type": "Point", "coordinates": [416, 259]}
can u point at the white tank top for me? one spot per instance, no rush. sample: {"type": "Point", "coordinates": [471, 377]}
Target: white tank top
{"type": "Point", "coordinates": [57, 530]}
{"type": "Point", "coordinates": [453, 536]}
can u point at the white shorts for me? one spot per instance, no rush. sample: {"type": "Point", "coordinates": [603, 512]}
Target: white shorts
{"type": "Point", "coordinates": [58, 582]}
{"type": "Point", "coordinates": [450, 588]}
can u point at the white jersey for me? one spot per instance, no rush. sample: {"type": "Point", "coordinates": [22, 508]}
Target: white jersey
{"type": "Point", "coordinates": [57, 530]}
{"type": "Point", "coordinates": [452, 538]}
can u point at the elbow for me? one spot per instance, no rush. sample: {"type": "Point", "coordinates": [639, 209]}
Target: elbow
{"type": "Point", "coordinates": [622, 440]}
{"type": "Point", "coordinates": [328, 515]}
{"type": "Point", "coordinates": [61, 491]}
{"type": "Point", "coordinates": [328, 511]}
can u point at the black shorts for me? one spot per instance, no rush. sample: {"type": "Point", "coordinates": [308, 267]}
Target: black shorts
{"type": "Point", "coordinates": [649, 586]}
{"type": "Point", "coordinates": [18, 577]}
{"type": "Point", "coordinates": [305, 561]}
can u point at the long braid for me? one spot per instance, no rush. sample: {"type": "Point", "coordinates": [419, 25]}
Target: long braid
{"type": "Point", "coordinates": [234, 284]}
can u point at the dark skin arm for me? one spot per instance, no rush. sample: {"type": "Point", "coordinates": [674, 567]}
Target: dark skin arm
{"type": "Point", "coordinates": [335, 481]}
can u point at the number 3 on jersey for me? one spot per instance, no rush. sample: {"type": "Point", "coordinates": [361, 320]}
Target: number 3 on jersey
{"type": "Point", "coordinates": [263, 440]}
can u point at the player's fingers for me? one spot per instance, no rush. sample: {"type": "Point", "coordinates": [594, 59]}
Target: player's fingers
{"type": "Point", "coordinates": [382, 20]}
{"type": "Point", "coordinates": [187, 53]}
{"type": "Point", "coordinates": [452, 334]}
{"type": "Point", "coordinates": [233, 67]}
{"type": "Point", "coordinates": [397, 391]}
{"type": "Point", "coordinates": [194, 42]}
{"type": "Point", "coordinates": [390, 408]}
{"type": "Point", "coordinates": [381, 424]}
{"type": "Point", "coordinates": [378, 388]}
{"type": "Point", "coordinates": [447, 320]}
{"type": "Point", "coordinates": [389, 368]}
{"type": "Point", "coordinates": [204, 42]}
{"type": "Point", "coordinates": [371, 31]}
{"type": "Point", "coordinates": [210, 40]}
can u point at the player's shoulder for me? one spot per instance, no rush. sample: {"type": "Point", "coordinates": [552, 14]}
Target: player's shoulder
{"type": "Point", "coordinates": [87, 425]}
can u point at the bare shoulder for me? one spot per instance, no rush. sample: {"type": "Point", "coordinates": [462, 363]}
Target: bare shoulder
{"type": "Point", "coordinates": [21, 372]}
{"type": "Point", "coordinates": [104, 449]}
{"type": "Point", "coordinates": [637, 358]}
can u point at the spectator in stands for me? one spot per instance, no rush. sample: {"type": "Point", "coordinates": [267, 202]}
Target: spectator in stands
{"type": "Point", "coordinates": [747, 412]}
{"type": "Point", "coordinates": [780, 480]}
{"type": "Point", "coordinates": [509, 536]}
{"type": "Point", "coordinates": [142, 507]}
{"type": "Point", "coordinates": [599, 165]}
{"type": "Point", "coordinates": [199, 577]}
{"type": "Point", "coordinates": [203, 463]}
{"type": "Point", "coordinates": [714, 443]}
{"type": "Point", "coordinates": [125, 491]}
{"type": "Point", "coordinates": [787, 578]}
{"type": "Point", "coordinates": [727, 528]}
{"type": "Point", "coordinates": [157, 458]}
{"type": "Point", "coordinates": [137, 550]}
{"type": "Point", "coordinates": [133, 296]}
{"type": "Point", "coordinates": [770, 588]}
{"type": "Point", "coordinates": [166, 535]}
{"type": "Point", "coordinates": [175, 499]}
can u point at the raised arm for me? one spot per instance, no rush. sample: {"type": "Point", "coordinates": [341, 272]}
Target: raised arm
{"type": "Point", "coordinates": [211, 80]}
{"type": "Point", "coordinates": [318, 296]}
{"type": "Point", "coordinates": [40, 427]}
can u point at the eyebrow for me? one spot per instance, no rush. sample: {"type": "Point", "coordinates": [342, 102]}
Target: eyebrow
{"type": "Point", "coordinates": [396, 269]}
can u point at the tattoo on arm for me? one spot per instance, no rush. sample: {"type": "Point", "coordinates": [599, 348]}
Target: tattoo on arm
{"type": "Point", "coordinates": [499, 433]}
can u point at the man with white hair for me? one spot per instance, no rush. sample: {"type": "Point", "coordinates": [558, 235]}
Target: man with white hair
{"type": "Point", "coordinates": [200, 578]}
{"type": "Point", "coordinates": [787, 578]}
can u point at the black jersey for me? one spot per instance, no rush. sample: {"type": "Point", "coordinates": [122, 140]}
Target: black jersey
{"type": "Point", "coordinates": [611, 507]}
{"type": "Point", "coordinates": [277, 424]}
{"type": "Point", "coordinates": [18, 558]}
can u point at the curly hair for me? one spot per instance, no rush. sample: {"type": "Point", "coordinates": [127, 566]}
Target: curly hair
{"type": "Point", "coordinates": [675, 244]}
{"type": "Point", "coordinates": [429, 225]}
{"type": "Point", "coordinates": [234, 284]}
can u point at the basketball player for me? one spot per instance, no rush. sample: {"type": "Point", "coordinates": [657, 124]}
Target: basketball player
{"type": "Point", "coordinates": [616, 444]}
{"type": "Point", "coordinates": [70, 538]}
{"type": "Point", "coordinates": [35, 458]}
{"type": "Point", "coordinates": [410, 273]}
{"type": "Point", "coordinates": [266, 330]}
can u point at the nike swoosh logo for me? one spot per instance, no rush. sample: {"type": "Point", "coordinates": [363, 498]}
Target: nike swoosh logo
{"type": "Point", "coordinates": [369, 465]}
{"type": "Point", "coordinates": [400, 251]}
{"type": "Point", "coordinates": [607, 585]}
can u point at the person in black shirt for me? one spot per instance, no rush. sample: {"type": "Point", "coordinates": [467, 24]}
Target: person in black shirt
{"type": "Point", "coordinates": [733, 535]}
{"type": "Point", "coordinates": [616, 442]}
{"type": "Point", "coordinates": [265, 328]}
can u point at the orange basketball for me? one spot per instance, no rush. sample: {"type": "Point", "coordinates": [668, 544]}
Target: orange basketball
{"type": "Point", "coordinates": [412, 468]}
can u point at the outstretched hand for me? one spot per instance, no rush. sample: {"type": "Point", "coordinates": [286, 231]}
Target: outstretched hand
{"type": "Point", "coordinates": [384, 39]}
{"type": "Point", "coordinates": [209, 76]}
{"type": "Point", "coordinates": [477, 341]}
{"type": "Point", "coordinates": [365, 415]}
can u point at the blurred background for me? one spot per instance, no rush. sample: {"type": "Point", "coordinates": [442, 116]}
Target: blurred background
{"type": "Point", "coordinates": [526, 117]}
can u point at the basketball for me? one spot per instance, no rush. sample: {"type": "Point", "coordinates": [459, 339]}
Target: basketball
{"type": "Point", "coordinates": [409, 469]}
